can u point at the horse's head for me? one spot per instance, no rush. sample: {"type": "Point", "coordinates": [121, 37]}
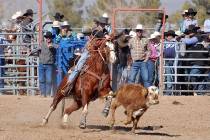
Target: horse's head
{"type": "Point", "coordinates": [104, 48]}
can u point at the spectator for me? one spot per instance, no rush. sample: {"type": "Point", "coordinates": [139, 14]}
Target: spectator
{"type": "Point", "coordinates": [139, 55]}
{"type": "Point", "coordinates": [159, 24]}
{"type": "Point", "coordinates": [153, 46]}
{"type": "Point", "coordinates": [207, 21]}
{"type": "Point", "coordinates": [181, 23]}
{"type": "Point", "coordinates": [64, 39]}
{"type": "Point", "coordinates": [26, 25]}
{"type": "Point", "coordinates": [55, 30]}
{"type": "Point", "coordinates": [190, 20]}
{"type": "Point", "coordinates": [3, 43]}
{"type": "Point", "coordinates": [46, 63]}
{"type": "Point", "coordinates": [169, 52]}
{"type": "Point", "coordinates": [123, 54]}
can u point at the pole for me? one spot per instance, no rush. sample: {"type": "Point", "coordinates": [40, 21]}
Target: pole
{"type": "Point", "coordinates": [40, 22]}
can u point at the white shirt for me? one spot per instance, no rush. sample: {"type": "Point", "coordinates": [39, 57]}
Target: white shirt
{"type": "Point", "coordinates": [207, 26]}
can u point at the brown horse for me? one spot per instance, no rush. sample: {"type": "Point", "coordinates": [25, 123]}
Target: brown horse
{"type": "Point", "coordinates": [92, 83]}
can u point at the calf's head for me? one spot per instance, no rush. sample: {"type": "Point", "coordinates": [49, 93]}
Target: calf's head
{"type": "Point", "coordinates": [152, 96]}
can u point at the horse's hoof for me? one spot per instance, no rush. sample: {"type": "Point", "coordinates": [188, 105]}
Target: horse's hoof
{"type": "Point", "coordinates": [127, 122]}
{"type": "Point", "coordinates": [82, 125]}
{"type": "Point", "coordinates": [44, 122]}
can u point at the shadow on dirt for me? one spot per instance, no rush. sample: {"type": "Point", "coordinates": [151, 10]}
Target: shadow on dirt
{"type": "Point", "coordinates": [123, 129]}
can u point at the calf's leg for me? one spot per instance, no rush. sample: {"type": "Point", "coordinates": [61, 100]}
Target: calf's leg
{"type": "Point", "coordinates": [114, 106]}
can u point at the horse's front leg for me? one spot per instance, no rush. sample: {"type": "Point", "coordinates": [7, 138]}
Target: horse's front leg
{"type": "Point", "coordinates": [83, 117]}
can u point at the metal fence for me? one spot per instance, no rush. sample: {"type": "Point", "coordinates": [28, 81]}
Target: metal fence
{"type": "Point", "coordinates": [184, 78]}
{"type": "Point", "coordinates": [19, 72]}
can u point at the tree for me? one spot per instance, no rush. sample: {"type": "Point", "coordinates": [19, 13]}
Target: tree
{"type": "Point", "coordinates": [69, 9]}
{"type": "Point", "coordinates": [125, 19]}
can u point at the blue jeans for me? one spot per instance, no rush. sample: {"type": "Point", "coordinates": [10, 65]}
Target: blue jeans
{"type": "Point", "coordinates": [79, 66]}
{"type": "Point", "coordinates": [169, 77]}
{"type": "Point", "coordinates": [136, 66]}
{"type": "Point", "coordinates": [151, 72]}
{"type": "Point", "coordinates": [2, 73]}
{"type": "Point", "coordinates": [45, 78]}
{"type": "Point", "coordinates": [191, 78]}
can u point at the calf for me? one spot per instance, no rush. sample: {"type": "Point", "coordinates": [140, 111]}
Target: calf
{"type": "Point", "coordinates": [136, 99]}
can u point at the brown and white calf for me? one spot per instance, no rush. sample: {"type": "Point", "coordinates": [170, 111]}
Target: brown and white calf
{"type": "Point", "coordinates": [136, 99]}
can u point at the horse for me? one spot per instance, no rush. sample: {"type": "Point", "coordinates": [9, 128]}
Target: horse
{"type": "Point", "coordinates": [93, 81]}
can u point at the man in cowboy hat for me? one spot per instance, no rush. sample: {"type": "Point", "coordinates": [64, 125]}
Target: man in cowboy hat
{"type": "Point", "coordinates": [139, 55]}
{"type": "Point", "coordinates": [169, 51]}
{"type": "Point", "coordinates": [159, 24]}
{"type": "Point", "coordinates": [47, 55]}
{"type": "Point", "coordinates": [63, 39]}
{"type": "Point", "coordinates": [26, 24]}
{"type": "Point", "coordinates": [190, 20]}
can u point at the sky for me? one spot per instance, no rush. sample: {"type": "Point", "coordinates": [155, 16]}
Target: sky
{"type": "Point", "coordinates": [172, 6]}
{"type": "Point", "coordinates": [16, 5]}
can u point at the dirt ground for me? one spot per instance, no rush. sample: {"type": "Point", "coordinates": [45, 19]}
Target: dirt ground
{"type": "Point", "coordinates": [180, 118]}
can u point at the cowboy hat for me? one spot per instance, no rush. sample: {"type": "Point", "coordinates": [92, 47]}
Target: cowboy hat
{"type": "Point", "coordinates": [28, 12]}
{"type": "Point", "coordinates": [56, 24]}
{"type": "Point", "coordinates": [102, 20]}
{"type": "Point", "coordinates": [191, 29]}
{"type": "Point", "coordinates": [184, 12]}
{"type": "Point", "coordinates": [105, 15]}
{"type": "Point", "coordinates": [160, 16]}
{"type": "Point", "coordinates": [65, 23]}
{"type": "Point", "coordinates": [17, 14]}
{"type": "Point", "coordinates": [191, 11]}
{"type": "Point", "coordinates": [154, 35]}
{"type": "Point", "coordinates": [48, 35]}
{"type": "Point", "coordinates": [139, 27]}
{"type": "Point", "coordinates": [58, 16]}
{"type": "Point", "coordinates": [170, 33]}
{"type": "Point", "coordinates": [86, 30]}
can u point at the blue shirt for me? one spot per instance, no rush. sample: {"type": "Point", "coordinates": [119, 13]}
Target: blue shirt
{"type": "Point", "coordinates": [2, 41]}
{"type": "Point", "coordinates": [190, 41]}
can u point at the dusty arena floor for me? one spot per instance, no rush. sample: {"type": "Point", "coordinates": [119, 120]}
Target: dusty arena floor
{"type": "Point", "coordinates": [180, 118]}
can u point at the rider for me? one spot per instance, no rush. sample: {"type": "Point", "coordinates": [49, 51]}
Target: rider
{"type": "Point", "coordinates": [98, 32]}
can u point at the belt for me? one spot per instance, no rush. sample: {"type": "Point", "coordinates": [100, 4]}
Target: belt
{"type": "Point", "coordinates": [138, 60]}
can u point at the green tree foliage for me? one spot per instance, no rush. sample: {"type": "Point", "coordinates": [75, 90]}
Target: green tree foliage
{"type": "Point", "coordinates": [69, 9]}
{"type": "Point", "coordinates": [125, 19]}
{"type": "Point", "coordinates": [85, 15]}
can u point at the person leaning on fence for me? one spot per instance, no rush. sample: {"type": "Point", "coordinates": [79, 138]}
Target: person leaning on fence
{"type": "Point", "coordinates": [154, 47]}
{"type": "Point", "coordinates": [46, 62]}
{"type": "Point", "coordinates": [190, 20]}
{"type": "Point", "coordinates": [169, 52]}
{"type": "Point", "coordinates": [27, 24]}
{"type": "Point", "coordinates": [139, 55]}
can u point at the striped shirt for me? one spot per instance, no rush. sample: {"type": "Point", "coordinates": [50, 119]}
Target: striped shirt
{"type": "Point", "coordinates": [189, 22]}
{"type": "Point", "coordinates": [138, 48]}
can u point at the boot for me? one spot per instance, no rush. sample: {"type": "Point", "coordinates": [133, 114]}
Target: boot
{"type": "Point", "coordinates": [67, 88]}
{"type": "Point", "coordinates": [108, 102]}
